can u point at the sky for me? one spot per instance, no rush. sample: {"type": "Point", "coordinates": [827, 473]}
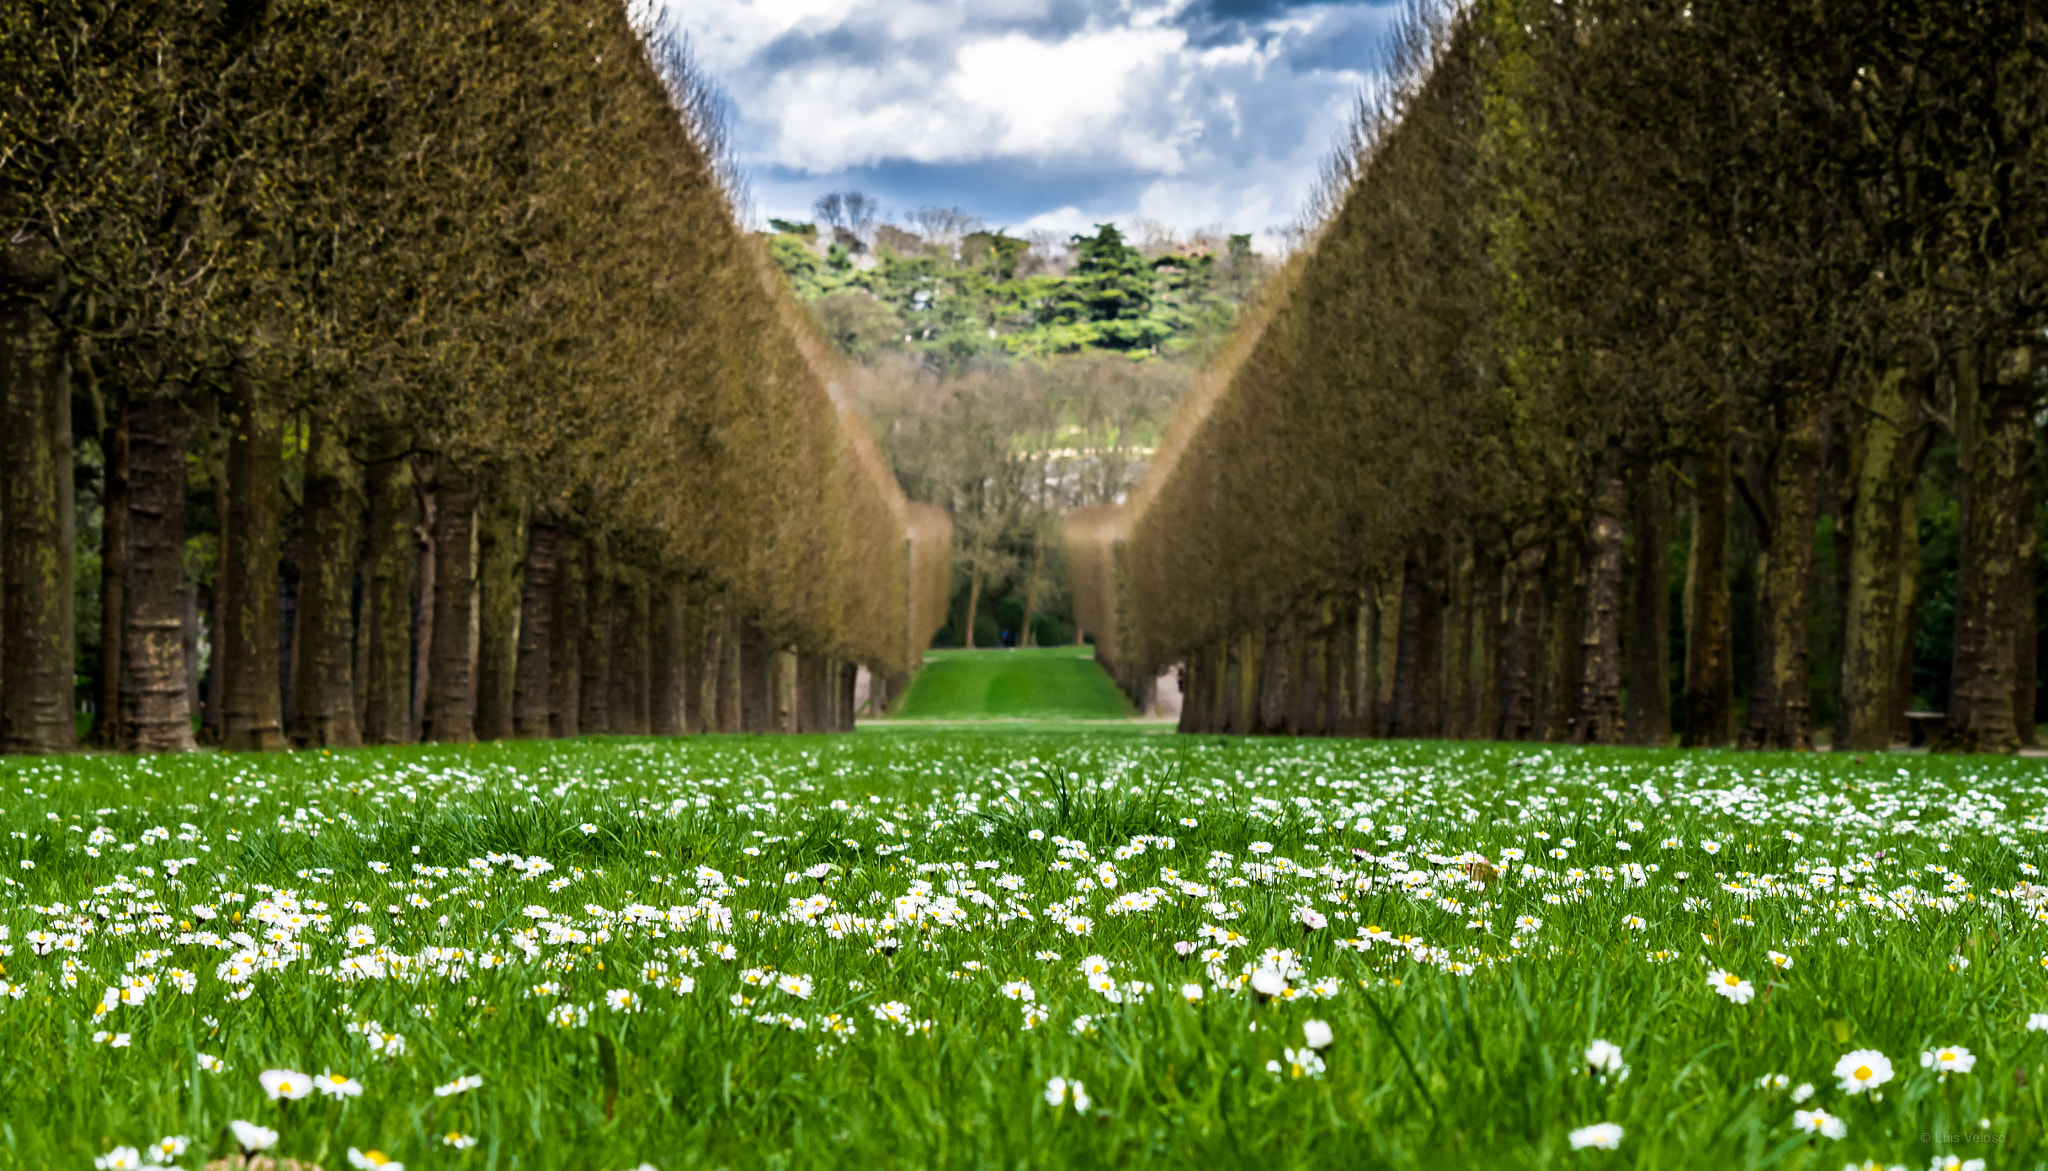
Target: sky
{"type": "Point", "coordinates": [1039, 114]}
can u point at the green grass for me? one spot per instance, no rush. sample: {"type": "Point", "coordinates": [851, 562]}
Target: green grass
{"type": "Point", "coordinates": [1042, 683]}
{"type": "Point", "coordinates": [1460, 1011]}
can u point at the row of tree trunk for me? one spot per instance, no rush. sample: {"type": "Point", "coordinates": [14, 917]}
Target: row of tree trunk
{"type": "Point", "coordinates": [416, 601]}
{"type": "Point", "coordinates": [1568, 639]}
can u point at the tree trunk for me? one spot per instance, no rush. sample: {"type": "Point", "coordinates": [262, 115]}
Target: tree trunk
{"type": "Point", "coordinates": [155, 698]}
{"type": "Point", "coordinates": [756, 704]}
{"type": "Point", "coordinates": [690, 661]}
{"type": "Point", "coordinates": [1995, 602]}
{"type": "Point", "coordinates": [1780, 703]}
{"type": "Point", "coordinates": [253, 716]}
{"type": "Point", "coordinates": [599, 614]}
{"type": "Point", "coordinates": [324, 707]}
{"type": "Point", "coordinates": [392, 555]}
{"type": "Point", "coordinates": [1523, 645]}
{"type": "Point", "coordinates": [537, 632]}
{"type": "Point", "coordinates": [565, 654]}
{"type": "Point", "coordinates": [1870, 618]}
{"type": "Point", "coordinates": [727, 679]}
{"type": "Point", "coordinates": [667, 676]}
{"type": "Point", "coordinates": [114, 491]}
{"type": "Point", "coordinates": [38, 553]}
{"type": "Point", "coordinates": [501, 541]}
{"type": "Point", "coordinates": [1599, 699]}
{"type": "Point", "coordinates": [1489, 635]}
{"type": "Point", "coordinates": [450, 715]}
{"type": "Point", "coordinates": [1419, 665]}
{"type": "Point", "coordinates": [627, 701]}
{"type": "Point", "coordinates": [1709, 715]}
{"type": "Point", "coordinates": [214, 460]}
{"type": "Point", "coordinates": [1457, 636]}
{"type": "Point", "coordinates": [973, 600]}
{"type": "Point", "coordinates": [428, 565]}
{"type": "Point", "coordinates": [1648, 645]}
{"type": "Point", "coordinates": [1557, 671]}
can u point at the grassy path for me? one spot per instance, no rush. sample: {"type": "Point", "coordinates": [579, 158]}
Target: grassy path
{"type": "Point", "coordinates": [1043, 683]}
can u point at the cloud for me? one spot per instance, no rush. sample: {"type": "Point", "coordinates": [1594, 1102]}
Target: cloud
{"type": "Point", "coordinates": [1191, 112]}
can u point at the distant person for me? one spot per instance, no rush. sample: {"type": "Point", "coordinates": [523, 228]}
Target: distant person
{"type": "Point", "coordinates": [1008, 640]}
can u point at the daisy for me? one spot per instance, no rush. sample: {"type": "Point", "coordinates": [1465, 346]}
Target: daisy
{"type": "Point", "coordinates": [1865, 1069]}
{"type": "Point", "coordinates": [1818, 1121]}
{"type": "Point", "coordinates": [1317, 1033]}
{"type": "Point", "coordinates": [1301, 1062]}
{"type": "Point", "coordinates": [1603, 1058]}
{"type": "Point", "coordinates": [1732, 986]}
{"type": "Point", "coordinates": [458, 1140]}
{"type": "Point", "coordinates": [167, 1148]}
{"type": "Point", "coordinates": [1605, 1136]}
{"type": "Point", "coordinates": [2037, 1022]}
{"type": "Point", "coordinates": [1191, 992]}
{"type": "Point", "coordinates": [119, 1159]}
{"type": "Point", "coordinates": [1058, 1089]}
{"type": "Point", "coordinates": [285, 1083]}
{"type": "Point", "coordinates": [253, 1137]}
{"type": "Point", "coordinates": [1948, 1059]}
{"type": "Point", "coordinates": [371, 1160]}
{"type": "Point", "coordinates": [336, 1085]}
{"type": "Point", "coordinates": [622, 1000]}
{"type": "Point", "coordinates": [458, 1086]}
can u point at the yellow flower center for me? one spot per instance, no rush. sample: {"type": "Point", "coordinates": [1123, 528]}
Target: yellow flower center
{"type": "Point", "coordinates": [284, 1087]}
{"type": "Point", "coordinates": [1731, 979]}
{"type": "Point", "coordinates": [377, 1158]}
{"type": "Point", "coordinates": [1862, 1073]}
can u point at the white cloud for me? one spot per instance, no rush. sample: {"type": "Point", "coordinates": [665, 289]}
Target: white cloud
{"type": "Point", "coordinates": [1153, 109]}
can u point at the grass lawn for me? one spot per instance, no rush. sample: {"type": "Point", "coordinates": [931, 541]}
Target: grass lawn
{"type": "Point", "coordinates": [1026, 950]}
{"type": "Point", "coordinates": [1041, 683]}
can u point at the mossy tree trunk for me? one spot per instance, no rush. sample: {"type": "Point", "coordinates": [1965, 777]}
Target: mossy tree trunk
{"type": "Point", "coordinates": [450, 715]}
{"type": "Point", "coordinates": [1709, 700]}
{"type": "Point", "coordinates": [1885, 474]}
{"type": "Point", "coordinates": [252, 718]}
{"type": "Point", "coordinates": [323, 704]}
{"type": "Point", "coordinates": [1648, 646]}
{"type": "Point", "coordinates": [155, 693]}
{"type": "Point", "coordinates": [38, 555]}
{"type": "Point", "coordinates": [1995, 586]}
{"type": "Point", "coordinates": [1780, 703]}
{"type": "Point", "coordinates": [391, 558]}
{"type": "Point", "coordinates": [1599, 700]}
{"type": "Point", "coordinates": [501, 549]}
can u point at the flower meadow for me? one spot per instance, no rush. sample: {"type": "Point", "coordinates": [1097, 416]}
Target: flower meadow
{"type": "Point", "coordinates": [920, 950]}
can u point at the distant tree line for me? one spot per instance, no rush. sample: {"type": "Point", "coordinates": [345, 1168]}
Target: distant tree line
{"type": "Point", "coordinates": [1652, 368]}
{"type": "Point", "coordinates": [381, 372]}
{"type": "Point", "coordinates": [952, 291]}
{"type": "Point", "coordinates": [1009, 379]}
